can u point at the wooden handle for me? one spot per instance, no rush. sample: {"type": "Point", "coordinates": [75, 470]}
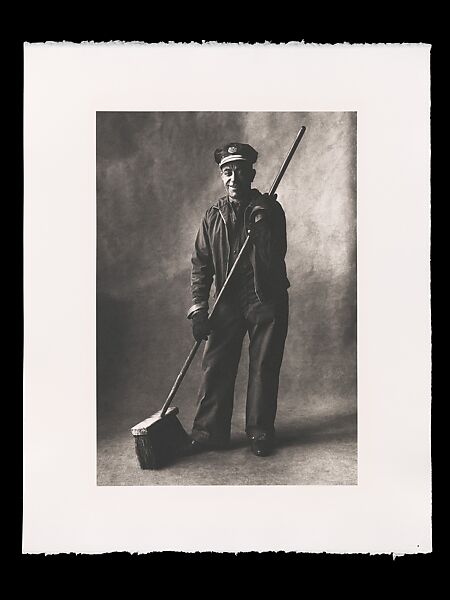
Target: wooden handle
{"type": "Point", "coordinates": [180, 377]}
{"type": "Point", "coordinates": [196, 346]}
{"type": "Point", "coordinates": [272, 191]}
{"type": "Point", "coordinates": [287, 160]}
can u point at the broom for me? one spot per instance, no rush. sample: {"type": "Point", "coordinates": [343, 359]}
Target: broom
{"type": "Point", "coordinates": [159, 438]}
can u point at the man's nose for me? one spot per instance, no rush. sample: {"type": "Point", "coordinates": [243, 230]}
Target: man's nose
{"type": "Point", "coordinates": [233, 177]}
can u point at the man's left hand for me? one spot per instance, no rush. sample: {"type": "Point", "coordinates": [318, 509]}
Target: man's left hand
{"type": "Point", "coordinates": [261, 210]}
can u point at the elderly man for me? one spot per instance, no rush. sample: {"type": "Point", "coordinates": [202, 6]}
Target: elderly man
{"type": "Point", "coordinates": [255, 301]}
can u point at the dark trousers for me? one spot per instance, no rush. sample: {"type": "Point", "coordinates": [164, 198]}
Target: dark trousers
{"type": "Point", "coordinates": [266, 324]}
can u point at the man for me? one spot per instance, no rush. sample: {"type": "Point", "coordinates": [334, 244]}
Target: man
{"type": "Point", "coordinates": [255, 301]}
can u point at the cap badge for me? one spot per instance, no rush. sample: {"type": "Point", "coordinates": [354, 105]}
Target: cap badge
{"type": "Point", "coordinates": [232, 149]}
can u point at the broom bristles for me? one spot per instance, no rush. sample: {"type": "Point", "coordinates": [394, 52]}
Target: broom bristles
{"type": "Point", "coordinates": [158, 440]}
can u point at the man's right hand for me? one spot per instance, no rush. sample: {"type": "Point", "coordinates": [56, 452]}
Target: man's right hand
{"type": "Point", "coordinates": [200, 325]}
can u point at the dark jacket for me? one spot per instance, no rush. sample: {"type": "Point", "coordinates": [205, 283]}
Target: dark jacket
{"type": "Point", "coordinates": [211, 256]}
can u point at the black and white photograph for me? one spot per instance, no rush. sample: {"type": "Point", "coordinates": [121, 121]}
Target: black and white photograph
{"type": "Point", "coordinates": [227, 325]}
{"type": "Point", "coordinates": [268, 394]}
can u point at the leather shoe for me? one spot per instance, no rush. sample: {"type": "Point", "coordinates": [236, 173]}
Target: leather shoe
{"type": "Point", "coordinates": [261, 445]}
{"type": "Point", "coordinates": [194, 447]}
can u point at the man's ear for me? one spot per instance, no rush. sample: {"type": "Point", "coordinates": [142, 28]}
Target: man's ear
{"type": "Point", "coordinates": [253, 175]}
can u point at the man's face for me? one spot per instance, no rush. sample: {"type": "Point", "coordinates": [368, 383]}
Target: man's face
{"type": "Point", "coordinates": [237, 177]}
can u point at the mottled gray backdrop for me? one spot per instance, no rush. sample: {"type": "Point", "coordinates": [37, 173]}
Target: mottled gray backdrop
{"type": "Point", "coordinates": [156, 176]}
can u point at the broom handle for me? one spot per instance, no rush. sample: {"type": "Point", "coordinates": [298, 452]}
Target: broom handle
{"type": "Point", "coordinates": [287, 160]}
{"type": "Point", "coordinates": [272, 191]}
{"type": "Point", "coordinates": [196, 346]}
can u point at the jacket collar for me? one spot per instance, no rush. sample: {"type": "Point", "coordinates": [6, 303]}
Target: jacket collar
{"type": "Point", "coordinates": [223, 205]}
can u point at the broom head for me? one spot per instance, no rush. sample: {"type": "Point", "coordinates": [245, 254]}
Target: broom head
{"type": "Point", "coordinates": [159, 439]}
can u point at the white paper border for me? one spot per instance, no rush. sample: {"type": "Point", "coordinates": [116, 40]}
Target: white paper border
{"type": "Point", "coordinates": [389, 87]}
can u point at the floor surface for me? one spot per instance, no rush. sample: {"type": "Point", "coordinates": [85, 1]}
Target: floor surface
{"type": "Point", "coordinates": [313, 448]}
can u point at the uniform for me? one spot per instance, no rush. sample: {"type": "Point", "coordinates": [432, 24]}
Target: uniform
{"type": "Point", "coordinates": [255, 302]}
